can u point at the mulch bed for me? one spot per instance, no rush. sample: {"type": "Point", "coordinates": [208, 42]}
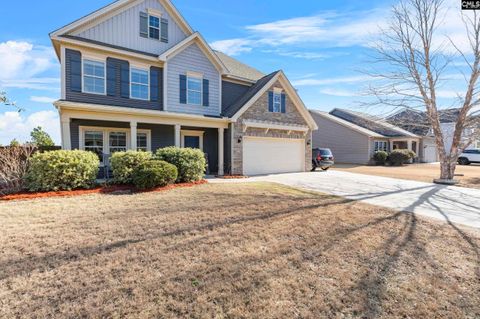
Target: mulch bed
{"type": "Point", "coordinates": [97, 190]}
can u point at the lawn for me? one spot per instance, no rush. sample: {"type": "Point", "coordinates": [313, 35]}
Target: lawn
{"type": "Point", "coordinates": [231, 251]}
{"type": "Point", "coordinates": [417, 172]}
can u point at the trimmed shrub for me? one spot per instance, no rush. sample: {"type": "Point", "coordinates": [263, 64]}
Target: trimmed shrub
{"type": "Point", "coordinates": [62, 170]}
{"type": "Point", "coordinates": [191, 163]}
{"type": "Point", "coordinates": [124, 163]}
{"type": "Point", "coordinates": [399, 157]}
{"type": "Point", "coordinates": [154, 173]}
{"type": "Point", "coordinates": [412, 154]}
{"type": "Point", "coordinates": [380, 157]}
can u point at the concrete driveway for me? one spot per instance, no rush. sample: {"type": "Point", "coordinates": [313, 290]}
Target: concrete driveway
{"type": "Point", "coordinates": [451, 204]}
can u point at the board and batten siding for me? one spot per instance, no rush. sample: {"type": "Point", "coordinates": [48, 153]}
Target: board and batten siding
{"type": "Point", "coordinates": [194, 60]}
{"type": "Point", "coordinates": [348, 146]}
{"type": "Point", "coordinates": [123, 30]}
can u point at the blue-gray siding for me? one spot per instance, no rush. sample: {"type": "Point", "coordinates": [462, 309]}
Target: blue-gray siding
{"type": "Point", "coordinates": [192, 59]}
{"type": "Point", "coordinates": [124, 30]}
{"type": "Point", "coordinates": [72, 74]}
{"type": "Point", "coordinates": [232, 92]}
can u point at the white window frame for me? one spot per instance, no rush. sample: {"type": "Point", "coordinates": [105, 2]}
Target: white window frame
{"type": "Point", "coordinates": [279, 94]}
{"type": "Point", "coordinates": [148, 82]}
{"type": "Point", "coordinates": [378, 142]}
{"type": "Point", "coordinates": [199, 134]}
{"type": "Point", "coordinates": [192, 75]}
{"type": "Point", "coordinates": [97, 60]}
{"type": "Point", "coordinates": [159, 26]}
{"type": "Point", "coordinates": [106, 137]}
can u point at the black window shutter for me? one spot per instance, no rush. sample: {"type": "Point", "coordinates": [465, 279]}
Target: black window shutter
{"type": "Point", "coordinates": [154, 85]}
{"type": "Point", "coordinates": [111, 77]}
{"type": "Point", "coordinates": [164, 30]}
{"type": "Point", "coordinates": [143, 25]}
{"type": "Point", "coordinates": [183, 89]}
{"type": "Point", "coordinates": [125, 79]}
{"type": "Point", "coordinates": [270, 101]}
{"type": "Point", "coordinates": [206, 92]}
{"type": "Point", "coordinates": [283, 102]}
{"type": "Point", "coordinates": [74, 58]}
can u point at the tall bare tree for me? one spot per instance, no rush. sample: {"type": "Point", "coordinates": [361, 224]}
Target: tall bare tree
{"type": "Point", "coordinates": [6, 101]}
{"type": "Point", "coordinates": [412, 51]}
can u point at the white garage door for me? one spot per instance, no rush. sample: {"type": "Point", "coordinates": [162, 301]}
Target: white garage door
{"type": "Point", "coordinates": [273, 155]}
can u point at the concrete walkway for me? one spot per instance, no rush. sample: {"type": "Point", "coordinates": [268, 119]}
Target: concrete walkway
{"type": "Point", "coordinates": [451, 204]}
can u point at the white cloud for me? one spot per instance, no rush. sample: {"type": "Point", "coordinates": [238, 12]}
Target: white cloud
{"type": "Point", "coordinates": [299, 54]}
{"type": "Point", "coordinates": [42, 99]}
{"type": "Point", "coordinates": [327, 81]}
{"type": "Point", "coordinates": [14, 125]}
{"type": "Point", "coordinates": [232, 46]}
{"type": "Point", "coordinates": [338, 92]}
{"type": "Point", "coordinates": [22, 62]}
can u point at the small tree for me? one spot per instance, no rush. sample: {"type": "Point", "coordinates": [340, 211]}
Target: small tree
{"type": "Point", "coordinates": [412, 51]}
{"type": "Point", "coordinates": [41, 138]}
{"type": "Point", "coordinates": [14, 143]}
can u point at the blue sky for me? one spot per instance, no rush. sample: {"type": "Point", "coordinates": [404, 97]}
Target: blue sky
{"type": "Point", "coordinates": [321, 46]}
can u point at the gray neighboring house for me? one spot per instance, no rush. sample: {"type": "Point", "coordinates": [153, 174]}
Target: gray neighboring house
{"type": "Point", "coordinates": [134, 75]}
{"type": "Point", "coordinates": [354, 137]}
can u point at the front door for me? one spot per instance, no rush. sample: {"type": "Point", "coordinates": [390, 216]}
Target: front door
{"type": "Point", "coordinates": [192, 141]}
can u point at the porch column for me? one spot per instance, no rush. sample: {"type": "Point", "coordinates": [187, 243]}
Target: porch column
{"type": "Point", "coordinates": [220, 151]}
{"type": "Point", "coordinates": [409, 145]}
{"type": "Point", "coordinates": [133, 135]}
{"type": "Point", "coordinates": [66, 137]}
{"type": "Point", "coordinates": [177, 135]}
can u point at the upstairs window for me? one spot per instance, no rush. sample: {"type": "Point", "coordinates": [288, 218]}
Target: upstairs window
{"type": "Point", "coordinates": [154, 27]}
{"type": "Point", "coordinates": [277, 102]}
{"type": "Point", "coordinates": [94, 77]}
{"type": "Point", "coordinates": [194, 90]}
{"type": "Point", "coordinates": [139, 84]}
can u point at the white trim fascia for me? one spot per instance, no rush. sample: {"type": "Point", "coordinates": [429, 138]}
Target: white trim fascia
{"type": "Point", "coordinates": [78, 45]}
{"type": "Point", "coordinates": [110, 10]}
{"type": "Point", "coordinates": [349, 125]}
{"type": "Point", "coordinates": [144, 116]}
{"type": "Point", "coordinates": [247, 105]}
{"type": "Point", "coordinates": [203, 45]}
{"type": "Point", "coordinates": [275, 126]}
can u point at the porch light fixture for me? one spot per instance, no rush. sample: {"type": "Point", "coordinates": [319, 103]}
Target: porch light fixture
{"type": "Point", "coordinates": [309, 142]}
{"type": "Point", "coordinates": [239, 140]}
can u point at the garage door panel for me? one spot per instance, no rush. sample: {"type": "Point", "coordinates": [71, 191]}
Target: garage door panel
{"type": "Point", "coordinates": [273, 155]}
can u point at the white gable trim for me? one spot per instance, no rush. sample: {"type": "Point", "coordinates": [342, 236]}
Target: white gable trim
{"type": "Point", "coordinates": [202, 44]}
{"type": "Point", "coordinates": [117, 7]}
{"type": "Point", "coordinates": [292, 94]}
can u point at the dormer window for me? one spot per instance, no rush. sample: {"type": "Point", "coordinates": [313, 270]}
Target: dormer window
{"type": "Point", "coordinates": [154, 27]}
{"type": "Point", "coordinates": [194, 89]}
{"type": "Point", "coordinates": [277, 102]}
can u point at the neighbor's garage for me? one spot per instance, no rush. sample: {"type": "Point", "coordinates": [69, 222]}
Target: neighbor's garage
{"type": "Point", "coordinates": [272, 155]}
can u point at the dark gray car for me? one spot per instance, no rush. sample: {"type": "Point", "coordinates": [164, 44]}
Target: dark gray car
{"type": "Point", "coordinates": [322, 158]}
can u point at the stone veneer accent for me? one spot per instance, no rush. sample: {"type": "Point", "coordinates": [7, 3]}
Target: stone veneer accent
{"type": "Point", "coordinates": [259, 111]}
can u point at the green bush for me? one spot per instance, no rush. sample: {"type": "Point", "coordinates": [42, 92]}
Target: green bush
{"type": "Point", "coordinates": [412, 154]}
{"type": "Point", "coordinates": [191, 163]}
{"type": "Point", "coordinates": [399, 157]}
{"type": "Point", "coordinates": [124, 163]}
{"type": "Point", "coordinates": [154, 173]}
{"type": "Point", "coordinates": [380, 157]}
{"type": "Point", "coordinates": [62, 170]}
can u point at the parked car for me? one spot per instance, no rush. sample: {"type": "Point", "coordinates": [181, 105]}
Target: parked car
{"type": "Point", "coordinates": [469, 156]}
{"type": "Point", "coordinates": [322, 158]}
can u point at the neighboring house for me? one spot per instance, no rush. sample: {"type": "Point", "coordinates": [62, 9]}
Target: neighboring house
{"type": "Point", "coordinates": [418, 123]}
{"type": "Point", "coordinates": [354, 137]}
{"type": "Point", "coordinates": [136, 76]}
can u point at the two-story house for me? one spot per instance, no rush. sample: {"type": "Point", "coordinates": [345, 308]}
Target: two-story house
{"type": "Point", "coordinates": [136, 76]}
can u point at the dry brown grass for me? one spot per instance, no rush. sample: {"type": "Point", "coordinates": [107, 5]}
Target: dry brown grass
{"type": "Point", "coordinates": [231, 251]}
{"type": "Point", "coordinates": [417, 172]}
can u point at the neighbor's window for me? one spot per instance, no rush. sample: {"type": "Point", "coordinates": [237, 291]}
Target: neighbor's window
{"type": "Point", "coordinates": [194, 90]}
{"type": "Point", "coordinates": [142, 142]}
{"type": "Point", "coordinates": [93, 142]}
{"type": "Point", "coordinates": [139, 86]}
{"type": "Point", "coordinates": [93, 77]}
{"type": "Point", "coordinates": [380, 146]}
{"type": "Point", "coordinates": [154, 27]}
{"type": "Point", "coordinates": [117, 142]}
{"type": "Point", "coordinates": [277, 102]}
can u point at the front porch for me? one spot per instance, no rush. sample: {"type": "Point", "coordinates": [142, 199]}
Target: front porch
{"type": "Point", "coordinates": [107, 132]}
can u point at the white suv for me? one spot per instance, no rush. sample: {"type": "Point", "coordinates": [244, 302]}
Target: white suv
{"type": "Point", "coordinates": [469, 156]}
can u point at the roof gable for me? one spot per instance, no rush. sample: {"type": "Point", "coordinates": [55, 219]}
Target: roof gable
{"type": "Point", "coordinates": [113, 9]}
{"type": "Point", "coordinates": [347, 124]}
